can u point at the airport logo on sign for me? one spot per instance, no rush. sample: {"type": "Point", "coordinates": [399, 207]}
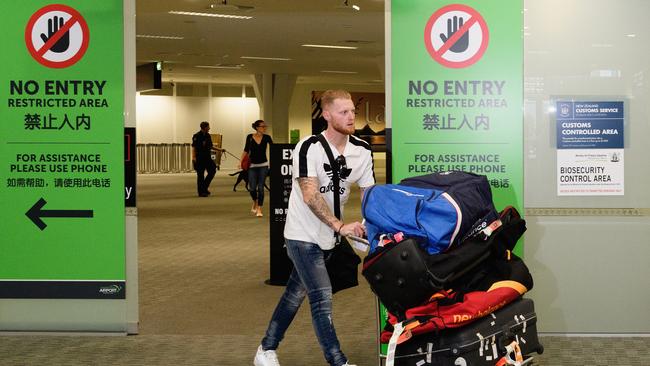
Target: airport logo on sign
{"type": "Point", "coordinates": [57, 36]}
{"type": "Point", "coordinates": [456, 36]}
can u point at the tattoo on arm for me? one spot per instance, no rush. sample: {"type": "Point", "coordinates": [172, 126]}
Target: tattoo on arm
{"type": "Point", "coordinates": [316, 202]}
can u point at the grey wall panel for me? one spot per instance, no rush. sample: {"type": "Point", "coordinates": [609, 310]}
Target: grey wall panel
{"type": "Point", "coordinates": [590, 255]}
{"type": "Point", "coordinates": [42, 315]}
{"type": "Point", "coordinates": [592, 274]}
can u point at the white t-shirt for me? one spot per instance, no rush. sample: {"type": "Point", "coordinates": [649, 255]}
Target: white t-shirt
{"type": "Point", "coordinates": [310, 160]}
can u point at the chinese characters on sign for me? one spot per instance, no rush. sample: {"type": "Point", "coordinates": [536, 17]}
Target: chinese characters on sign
{"type": "Point", "coordinates": [460, 95]}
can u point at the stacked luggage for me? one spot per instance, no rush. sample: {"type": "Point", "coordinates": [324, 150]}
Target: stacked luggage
{"type": "Point", "coordinates": [441, 262]}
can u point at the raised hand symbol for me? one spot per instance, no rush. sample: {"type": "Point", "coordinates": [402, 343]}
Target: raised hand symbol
{"type": "Point", "coordinates": [453, 25]}
{"type": "Point", "coordinates": [53, 26]}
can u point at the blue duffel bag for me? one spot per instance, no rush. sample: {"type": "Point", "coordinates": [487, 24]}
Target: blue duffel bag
{"type": "Point", "coordinates": [439, 210]}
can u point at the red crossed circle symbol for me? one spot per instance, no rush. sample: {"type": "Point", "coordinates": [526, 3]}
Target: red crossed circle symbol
{"type": "Point", "coordinates": [40, 53]}
{"type": "Point", "coordinates": [439, 53]}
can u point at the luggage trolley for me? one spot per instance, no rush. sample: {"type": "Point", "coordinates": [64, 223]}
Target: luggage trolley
{"type": "Point", "coordinates": [216, 154]}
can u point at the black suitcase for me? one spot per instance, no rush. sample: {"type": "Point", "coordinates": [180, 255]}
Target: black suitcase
{"type": "Point", "coordinates": [400, 276]}
{"type": "Point", "coordinates": [403, 275]}
{"type": "Point", "coordinates": [482, 342]}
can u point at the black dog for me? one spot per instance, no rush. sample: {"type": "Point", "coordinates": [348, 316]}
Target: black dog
{"type": "Point", "coordinates": [242, 175]}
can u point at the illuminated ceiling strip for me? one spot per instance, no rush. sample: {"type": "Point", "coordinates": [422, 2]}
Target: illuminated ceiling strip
{"type": "Point", "coordinates": [266, 58]}
{"type": "Point", "coordinates": [158, 37]}
{"type": "Point", "coordinates": [213, 15]}
{"type": "Point", "coordinates": [339, 72]}
{"type": "Point", "coordinates": [330, 46]}
{"type": "Point", "coordinates": [219, 67]}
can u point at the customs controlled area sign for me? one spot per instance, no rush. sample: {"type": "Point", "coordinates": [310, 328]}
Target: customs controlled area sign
{"type": "Point", "coordinates": [62, 151]}
{"type": "Point", "coordinates": [590, 148]}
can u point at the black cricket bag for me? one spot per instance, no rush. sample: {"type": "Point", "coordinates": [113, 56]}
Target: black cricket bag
{"type": "Point", "coordinates": [403, 275]}
{"type": "Point", "coordinates": [509, 332]}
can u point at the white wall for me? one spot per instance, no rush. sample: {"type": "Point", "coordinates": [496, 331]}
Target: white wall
{"type": "Point", "coordinates": [154, 119]}
{"type": "Point", "coordinates": [169, 119]}
{"type": "Point", "coordinates": [190, 112]}
{"type": "Point", "coordinates": [233, 118]}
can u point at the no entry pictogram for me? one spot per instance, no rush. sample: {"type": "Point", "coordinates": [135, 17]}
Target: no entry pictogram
{"type": "Point", "coordinates": [57, 36]}
{"type": "Point", "coordinates": [456, 36]}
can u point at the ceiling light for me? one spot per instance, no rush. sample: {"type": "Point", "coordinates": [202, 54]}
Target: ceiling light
{"type": "Point", "coordinates": [158, 37]}
{"type": "Point", "coordinates": [266, 58]}
{"type": "Point", "coordinates": [214, 15]}
{"type": "Point", "coordinates": [631, 35]}
{"type": "Point", "coordinates": [330, 46]}
{"type": "Point", "coordinates": [339, 72]}
{"type": "Point", "coordinates": [238, 66]}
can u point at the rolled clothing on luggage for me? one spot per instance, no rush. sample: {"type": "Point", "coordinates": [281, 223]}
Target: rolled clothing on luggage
{"type": "Point", "coordinates": [496, 284]}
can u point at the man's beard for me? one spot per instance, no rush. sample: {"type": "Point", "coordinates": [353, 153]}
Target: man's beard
{"type": "Point", "coordinates": [343, 129]}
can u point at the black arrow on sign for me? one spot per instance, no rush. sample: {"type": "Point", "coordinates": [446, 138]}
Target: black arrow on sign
{"type": "Point", "coordinates": [36, 212]}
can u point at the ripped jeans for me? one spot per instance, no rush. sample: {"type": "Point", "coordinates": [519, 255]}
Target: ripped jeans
{"type": "Point", "coordinates": [309, 277]}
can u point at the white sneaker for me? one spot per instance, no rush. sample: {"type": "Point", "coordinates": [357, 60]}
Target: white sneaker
{"type": "Point", "coordinates": [348, 364]}
{"type": "Point", "coordinates": [267, 358]}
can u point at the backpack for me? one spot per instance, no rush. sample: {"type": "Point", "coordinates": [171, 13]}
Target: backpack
{"type": "Point", "coordinates": [438, 210]}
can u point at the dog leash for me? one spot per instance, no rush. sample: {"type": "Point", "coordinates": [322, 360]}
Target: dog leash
{"type": "Point", "coordinates": [231, 154]}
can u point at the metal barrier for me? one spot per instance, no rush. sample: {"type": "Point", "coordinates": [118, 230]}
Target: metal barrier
{"type": "Point", "coordinates": [164, 158]}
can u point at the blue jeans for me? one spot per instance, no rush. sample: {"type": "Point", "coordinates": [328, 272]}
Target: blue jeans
{"type": "Point", "coordinates": [256, 179]}
{"type": "Point", "coordinates": [309, 277]}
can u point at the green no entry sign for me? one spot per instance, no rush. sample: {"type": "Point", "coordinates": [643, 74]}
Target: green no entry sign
{"type": "Point", "coordinates": [62, 157]}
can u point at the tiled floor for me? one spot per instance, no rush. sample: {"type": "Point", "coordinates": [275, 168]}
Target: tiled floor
{"type": "Point", "coordinates": [203, 301]}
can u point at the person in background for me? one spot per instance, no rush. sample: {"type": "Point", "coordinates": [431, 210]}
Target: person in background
{"type": "Point", "coordinates": [311, 228]}
{"type": "Point", "coordinates": [202, 160]}
{"type": "Point", "coordinates": [255, 147]}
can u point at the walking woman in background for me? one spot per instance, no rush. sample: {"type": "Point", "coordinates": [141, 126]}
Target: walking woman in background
{"type": "Point", "coordinates": [255, 152]}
